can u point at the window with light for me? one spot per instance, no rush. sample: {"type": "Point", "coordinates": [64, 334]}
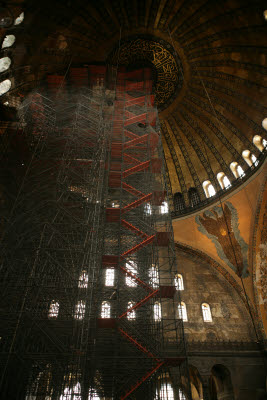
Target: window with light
{"type": "Point", "coordinates": [206, 313]}
{"type": "Point", "coordinates": [157, 311]}
{"type": "Point", "coordinates": [79, 310]}
{"type": "Point", "coordinates": [83, 280]}
{"type": "Point", "coordinates": [132, 268]}
{"type": "Point", "coordinates": [178, 282]}
{"type": "Point", "coordinates": [8, 41]}
{"type": "Point", "coordinates": [131, 314]}
{"type": "Point", "coordinates": [166, 392]}
{"type": "Point", "coordinates": [154, 276]}
{"type": "Point", "coordinates": [53, 309]}
{"type": "Point", "coordinates": [105, 309]}
{"type": "Point", "coordinates": [164, 208]}
{"type": "Point", "coordinates": [182, 313]}
{"type": "Point", "coordinates": [110, 276]}
{"type": "Point", "coordinates": [148, 209]}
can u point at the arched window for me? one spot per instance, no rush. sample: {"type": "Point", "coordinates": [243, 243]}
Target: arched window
{"type": "Point", "coordinates": [83, 280]}
{"type": "Point", "coordinates": [109, 278]}
{"type": "Point", "coordinates": [206, 312]}
{"type": "Point", "coordinates": [259, 142]}
{"type": "Point", "coordinates": [164, 208]}
{"type": "Point", "coordinates": [79, 310]}
{"type": "Point", "coordinates": [182, 311]}
{"type": "Point", "coordinates": [4, 63]}
{"type": "Point", "coordinates": [250, 158]}
{"type": "Point", "coordinates": [166, 392]}
{"type": "Point", "coordinates": [208, 189]}
{"type": "Point", "coordinates": [132, 268]}
{"type": "Point", "coordinates": [8, 41]}
{"type": "Point", "coordinates": [223, 180]}
{"type": "Point", "coordinates": [53, 309]}
{"type": "Point", "coordinates": [154, 276]}
{"type": "Point", "coordinates": [130, 314]}
{"type": "Point", "coordinates": [105, 309]}
{"type": "Point", "coordinates": [237, 170]}
{"type": "Point", "coordinates": [19, 19]}
{"type": "Point", "coordinates": [5, 86]}
{"type": "Point", "coordinates": [157, 311]}
{"type": "Point", "coordinates": [178, 202]}
{"type": "Point", "coordinates": [178, 282]}
{"type": "Point", "coordinates": [148, 209]}
{"type": "Point", "coordinates": [193, 197]}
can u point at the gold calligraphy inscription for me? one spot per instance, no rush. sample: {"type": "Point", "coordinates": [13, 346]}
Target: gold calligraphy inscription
{"type": "Point", "coordinates": [162, 59]}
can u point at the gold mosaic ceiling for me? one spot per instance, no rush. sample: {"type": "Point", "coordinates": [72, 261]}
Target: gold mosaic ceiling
{"type": "Point", "coordinates": [211, 115]}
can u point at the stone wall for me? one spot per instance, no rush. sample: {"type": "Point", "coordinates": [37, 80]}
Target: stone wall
{"type": "Point", "coordinates": [203, 284]}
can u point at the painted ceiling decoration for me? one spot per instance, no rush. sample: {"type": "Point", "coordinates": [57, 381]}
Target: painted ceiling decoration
{"type": "Point", "coordinates": [233, 250]}
{"type": "Point", "coordinates": [209, 60]}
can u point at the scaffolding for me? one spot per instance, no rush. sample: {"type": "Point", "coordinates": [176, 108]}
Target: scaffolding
{"type": "Point", "coordinates": [88, 267]}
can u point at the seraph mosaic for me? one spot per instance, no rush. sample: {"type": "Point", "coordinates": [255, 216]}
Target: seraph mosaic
{"type": "Point", "coordinates": [212, 224]}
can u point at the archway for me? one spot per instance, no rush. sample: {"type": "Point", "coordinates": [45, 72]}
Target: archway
{"type": "Point", "coordinates": [195, 383]}
{"type": "Point", "coordinates": [221, 387]}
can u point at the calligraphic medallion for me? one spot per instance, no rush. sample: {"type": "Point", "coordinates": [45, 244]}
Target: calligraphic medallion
{"type": "Point", "coordinates": [162, 58]}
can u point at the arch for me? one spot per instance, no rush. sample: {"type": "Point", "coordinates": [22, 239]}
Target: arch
{"type": "Point", "coordinates": [237, 170]}
{"type": "Point", "coordinates": [19, 19]}
{"type": "Point", "coordinates": [208, 189]}
{"type": "Point", "coordinates": [223, 180]}
{"type": "Point", "coordinates": [4, 63]}
{"type": "Point", "coordinates": [195, 383]}
{"type": "Point", "coordinates": [8, 41]}
{"type": "Point", "coordinates": [53, 309]}
{"type": "Point", "coordinates": [105, 309]}
{"type": "Point", "coordinates": [206, 312]}
{"type": "Point", "coordinates": [109, 277]}
{"type": "Point", "coordinates": [179, 282]}
{"type": "Point", "coordinates": [259, 142]}
{"type": "Point", "coordinates": [157, 311]}
{"type": "Point", "coordinates": [178, 202]}
{"type": "Point", "coordinates": [182, 313]}
{"type": "Point", "coordinates": [250, 158]}
{"type": "Point", "coordinates": [193, 196]}
{"type": "Point", "coordinates": [222, 388]}
{"type": "Point", "coordinates": [83, 280]}
{"type": "Point", "coordinates": [79, 310]}
{"type": "Point", "coordinates": [5, 86]}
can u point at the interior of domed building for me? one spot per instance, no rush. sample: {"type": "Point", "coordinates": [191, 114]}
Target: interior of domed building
{"type": "Point", "coordinates": [133, 199]}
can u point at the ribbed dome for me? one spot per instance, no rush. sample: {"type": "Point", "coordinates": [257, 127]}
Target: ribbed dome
{"type": "Point", "coordinates": [214, 112]}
